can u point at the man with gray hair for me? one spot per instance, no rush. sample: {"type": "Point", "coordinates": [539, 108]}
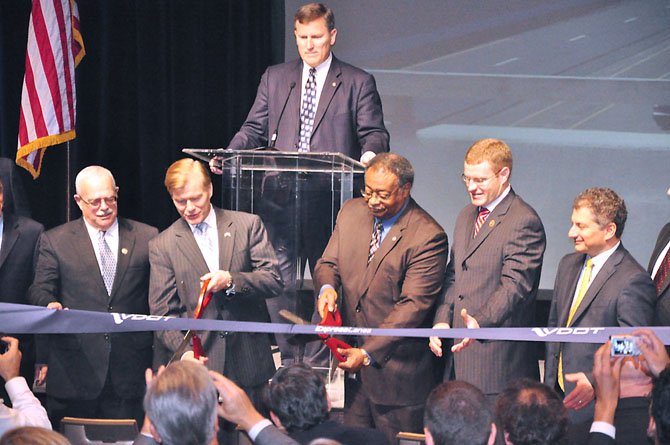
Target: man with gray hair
{"type": "Point", "coordinates": [181, 406]}
{"type": "Point", "coordinates": [97, 263]}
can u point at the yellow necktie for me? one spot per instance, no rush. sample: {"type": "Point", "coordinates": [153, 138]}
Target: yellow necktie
{"type": "Point", "coordinates": [583, 287]}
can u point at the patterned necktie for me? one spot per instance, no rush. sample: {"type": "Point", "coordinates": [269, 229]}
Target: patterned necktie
{"type": "Point", "coordinates": [307, 112]}
{"type": "Point", "coordinates": [483, 213]}
{"type": "Point", "coordinates": [376, 240]}
{"type": "Point", "coordinates": [107, 262]}
{"type": "Point", "coordinates": [583, 287]}
{"type": "Point", "coordinates": [662, 272]}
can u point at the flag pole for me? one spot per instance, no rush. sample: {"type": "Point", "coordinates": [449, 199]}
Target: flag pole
{"type": "Point", "coordinates": [68, 186]}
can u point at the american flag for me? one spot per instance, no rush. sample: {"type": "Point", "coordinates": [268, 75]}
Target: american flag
{"type": "Point", "coordinates": [48, 98]}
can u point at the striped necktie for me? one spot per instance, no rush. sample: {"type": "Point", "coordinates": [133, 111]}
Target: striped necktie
{"type": "Point", "coordinates": [307, 112]}
{"type": "Point", "coordinates": [376, 240]}
{"type": "Point", "coordinates": [662, 272]}
{"type": "Point", "coordinates": [483, 214]}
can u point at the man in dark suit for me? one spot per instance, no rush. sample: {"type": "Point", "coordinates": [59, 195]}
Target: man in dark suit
{"type": "Point", "coordinates": [387, 258]}
{"type": "Point", "coordinates": [346, 117]}
{"type": "Point", "coordinates": [600, 284]}
{"type": "Point", "coordinates": [659, 269]}
{"type": "Point", "coordinates": [493, 274]}
{"type": "Point", "coordinates": [299, 404]}
{"type": "Point", "coordinates": [231, 249]}
{"type": "Point", "coordinates": [98, 263]}
{"type": "Point", "coordinates": [18, 253]}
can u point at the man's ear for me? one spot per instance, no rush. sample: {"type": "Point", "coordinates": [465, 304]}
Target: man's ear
{"type": "Point", "coordinates": [429, 437]}
{"type": "Point", "coordinates": [155, 434]}
{"type": "Point", "coordinates": [494, 433]}
{"type": "Point", "coordinates": [276, 420]}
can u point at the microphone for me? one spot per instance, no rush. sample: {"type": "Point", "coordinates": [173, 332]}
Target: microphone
{"type": "Point", "coordinates": [273, 139]}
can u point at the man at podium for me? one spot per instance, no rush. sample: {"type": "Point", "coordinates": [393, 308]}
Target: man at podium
{"type": "Point", "coordinates": [313, 104]}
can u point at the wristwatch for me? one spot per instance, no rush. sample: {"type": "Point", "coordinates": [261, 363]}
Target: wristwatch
{"type": "Point", "coordinates": [366, 358]}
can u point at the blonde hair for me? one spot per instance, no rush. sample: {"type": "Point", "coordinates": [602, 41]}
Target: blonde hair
{"type": "Point", "coordinates": [184, 169]}
{"type": "Point", "coordinates": [32, 435]}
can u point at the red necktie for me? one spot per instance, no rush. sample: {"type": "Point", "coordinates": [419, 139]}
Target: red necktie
{"type": "Point", "coordinates": [662, 272]}
{"type": "Point", "coordinates": [483, 213]}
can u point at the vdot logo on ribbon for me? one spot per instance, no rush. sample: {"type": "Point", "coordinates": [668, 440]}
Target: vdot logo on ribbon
{"type": "Point", "coordinates": [341, 330]}
{"type": "Point", "coordinates": [543, 332]}
{"type": "Point", "coordinates": [120, 318]}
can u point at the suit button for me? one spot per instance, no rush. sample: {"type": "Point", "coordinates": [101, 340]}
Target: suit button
{"type": "Point", "coordinates": [358, 308]}
{"type": "Point", "coordinates": [460, 297]}
{"type": "Point", "coordinates": [106, 337]}
{"type": "Point", "coordinates": [245, 289]}
{"type": "Point", "coordinates": [110, 308]}
{"type": "Point", "coordinates": [223, 334]}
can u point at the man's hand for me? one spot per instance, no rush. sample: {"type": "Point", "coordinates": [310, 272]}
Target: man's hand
{"type": "Point", "coordinates": [583, 393]}
{"type": "Point", "coordinates": [653, 350]}
{"type": "Point", "coordinates": [606, 373]}
{"type": "Point", "coordinates": [190, 356]}
{"type": "Point", "coordinates": [41, 374]}
{"type": "Point", "coordinates": [234, 404]}
{"type": "Point", "coordinates": [219, 280]}
{"type": "Point", "coordinates": [470, 323]}
{"type": "Point", "coordinates": [10, 361]}
{"type": "Point", "coordinates": [435, 343]}
{"type": "Point", "coordinates": [354, 359]}
{"type": "Point", "coordinates": [367, 157]}
{"type": "Point", "coordinates": [327, 298]}
{"type": "Point", "coordinates": [216, 165]}
{"type": "Point", "coordinates": [55, 305]}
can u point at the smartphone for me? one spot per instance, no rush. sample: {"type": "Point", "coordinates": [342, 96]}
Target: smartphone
{"type": "Point", "coordinates": [624, 346]}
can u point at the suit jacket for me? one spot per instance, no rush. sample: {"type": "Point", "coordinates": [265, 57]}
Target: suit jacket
{"type": "Point", "coordinates": [600, 439]}
{"type": "Point", "coordinates": [346, 435]}
{"type": "Point", "coordinates": [244, 250]}
{"type": "Point", "coordinates": [662, 315]}
{"type": "Point", "coordinates": [16, 201]}
{"type": "Point", "coordinates": [68, 272]}
{"type": "Point", "coordinates": [349, 117]}
{"type": "Point", "coordinates": [18, 255]}
{"type": "Point", "coordinates": [397, 289]}
{"type": "Point", "coordinates": [270, 435]}
{"type": "Point", "coordinates": [622, 294]}
{"type": "Point", "coordinates": [495, 276]}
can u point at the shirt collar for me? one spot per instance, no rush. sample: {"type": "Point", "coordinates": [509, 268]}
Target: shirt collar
{"type": "Point", "coordinates": [210, 220]}
{"type": "Point", "coordinates": [491, 207]}
{"type": "Point", "coordinates": [600, 259]}
{"type": "Point", "coordinates": [388, 222]}
{"type": "Point", "coordinates": [322, 68]}
{"type": "Point", "coordinates": [113, 230]}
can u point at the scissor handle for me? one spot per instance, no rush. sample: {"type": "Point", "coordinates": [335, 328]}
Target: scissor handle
{"type": "Point", "coordinates": [203, 299]}
{"type": "Point", "coordinates": [334, 343]}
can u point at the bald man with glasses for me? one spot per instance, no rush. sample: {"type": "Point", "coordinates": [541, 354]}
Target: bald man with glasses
{"type": "Point", "coordinates": [99, 262]}
{"type": "Point", "coordinates": [493, 273]}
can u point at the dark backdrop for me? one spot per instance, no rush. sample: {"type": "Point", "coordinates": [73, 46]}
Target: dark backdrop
{"type": "Point", "coordinates": [158, 76]}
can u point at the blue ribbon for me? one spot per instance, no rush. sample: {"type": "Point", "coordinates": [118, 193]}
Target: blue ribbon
{"type": "Point", "coordinates": [24, 319]}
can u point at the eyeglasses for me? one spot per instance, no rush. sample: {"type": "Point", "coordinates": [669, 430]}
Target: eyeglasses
{"type": "Point", "coordinates": [381, 195]}
{"type": "Point", "coordinates": [95, 203]}
{"type": "Point", "coordinates": [478, 181]}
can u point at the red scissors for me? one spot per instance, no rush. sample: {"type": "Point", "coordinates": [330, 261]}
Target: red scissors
{"type": "Point", "coordinates": [331, 319]}
{"type": "Point", "coordinates": [203, 300]}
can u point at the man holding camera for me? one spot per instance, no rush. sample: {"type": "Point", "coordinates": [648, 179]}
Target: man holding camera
{"type": "Point", "coordinates": [600, 284]}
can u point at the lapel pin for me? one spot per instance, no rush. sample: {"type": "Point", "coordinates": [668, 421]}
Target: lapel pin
{"type": "Point", "coordinates": [394, 238]}
{"type": "Point", "coordinates": [492, 223]}
{"type": "Point", "coordinates": [124, 251]}
{"type": "Point", "coordinates": [227, 235]}
{"type": "Point", "coordinates": [334, 84]}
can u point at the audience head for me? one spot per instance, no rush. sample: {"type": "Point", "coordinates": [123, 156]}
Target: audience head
{"type": "Point", "coordinates": [487, 170]}
{"type": "Point", "coordinates": [32, 435]}
{"type": "Point", "coordinates": [531, 413]}
{"type": "Point", "coordinates": [188, 183]}
{"type": "Point", "coordinates": [181, 403]}
{"type": "Point", "coordinates": [297, 398]}
{"type": "Point", "coordinates": [388, 182]}
{"type": "Point", "coordinates": [97, 196]}
{"type": "Point", "coordinates": [315, 33]}
{"type": "Point", "coordinates": [659, 422]}
{"type": "Point", "coordinates": [457, 413]}
{"type": "Point", "coordinates": [598, 219]}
